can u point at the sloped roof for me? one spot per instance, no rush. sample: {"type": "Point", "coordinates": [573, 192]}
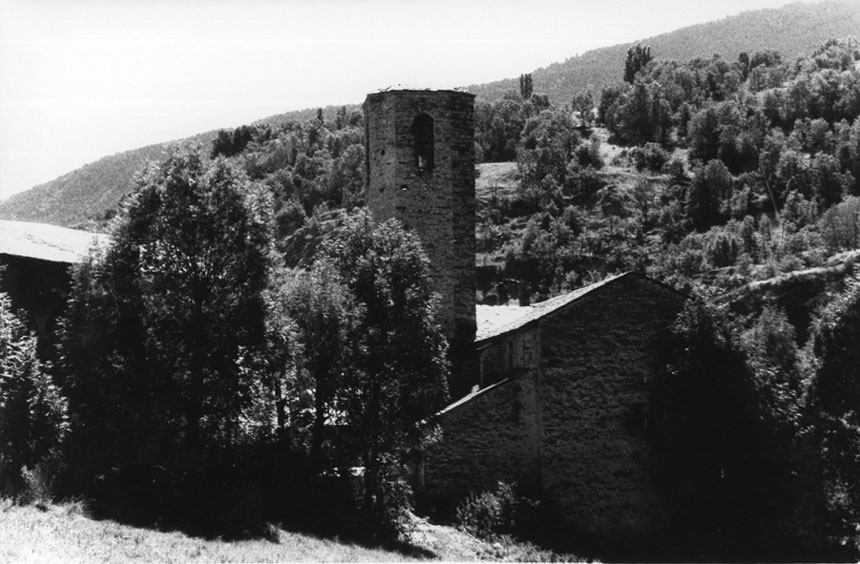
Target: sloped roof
{"type": "Point", "coordinates": [47, 242]}
{"type": "Point", "coordinates": [493, 321]}
{"type": "Point", "coordinates": [470, 396]}
{"type": "Point", "coordinates": [491, 318]}
{"type": "Point", "coordinates": [421, 88]}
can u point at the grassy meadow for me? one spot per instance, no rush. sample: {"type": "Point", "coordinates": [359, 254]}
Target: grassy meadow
{"type": "Point", "coordinates": [63, 533]}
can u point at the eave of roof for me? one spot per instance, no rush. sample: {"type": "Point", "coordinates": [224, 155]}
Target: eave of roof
{"type": "Point", "coordinates": [488, 329]}
{"type": "Point", "coordinates": [469, 397]}
{"type": "Point", "coordinates": [47, 242]}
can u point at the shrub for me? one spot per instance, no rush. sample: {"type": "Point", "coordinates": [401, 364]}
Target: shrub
{"type": "Point", "coordinates": [396, 496]}
{"type": "Point", "coordinates": [584, 184]}
{"type": "Point", "coordinates": [588, 154]}
{"type": "Point", "coordinates": [490, 513]}
{"type": "Point", "coordinates": [38, 484]}
{"type": "Point", "coordinates": [651, 156]}
{"type": "Point", "coordinates": [689, 262]}
{"type": "Point", "coordinates": [677, 174]}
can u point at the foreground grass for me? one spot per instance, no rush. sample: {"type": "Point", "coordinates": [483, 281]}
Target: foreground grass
{"type": "Point", "coordinates": [63, 533]}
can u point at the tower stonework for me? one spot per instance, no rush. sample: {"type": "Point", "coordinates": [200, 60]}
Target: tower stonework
{"type": "Point", "coordinates": [420, 158]}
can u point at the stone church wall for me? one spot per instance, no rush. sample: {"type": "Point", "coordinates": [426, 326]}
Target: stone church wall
{"type": "Point", "coordinates": [509, 354]}
{"type": "Point", "coordinates": [569, 423]}
{"type": "Point", "coordinates": [599, 355]}
{"type": "Point", "coordinates": [492, 435]}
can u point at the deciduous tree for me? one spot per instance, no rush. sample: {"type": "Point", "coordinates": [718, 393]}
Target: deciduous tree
{"type": "Point", "coordinates": [162, 329]}
{"type": "Point", "coordinates": [398, 376]}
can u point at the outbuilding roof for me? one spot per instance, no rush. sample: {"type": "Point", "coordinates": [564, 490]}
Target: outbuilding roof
{"type": "Point", "coordinates": [401, 87]}
{"type": "Point", "coordinates": [470, 396]}
{"type": "Point", "coordinates": [47, 242]}
{"type": "Point", "coordinates": [493, 321]}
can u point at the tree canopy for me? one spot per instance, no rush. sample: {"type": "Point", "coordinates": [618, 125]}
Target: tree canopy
{"type": "Point", "coordinates": [373, 356]}
{"type": "Point", "coordinates": [162, 328]}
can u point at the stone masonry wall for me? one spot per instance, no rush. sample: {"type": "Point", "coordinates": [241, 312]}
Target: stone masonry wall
{"type": "Point", "coordinates": [483, 441]}
{"type": "Point", "coordinates": [439, 205]}
{"type": "Point", "coordinates": [510, 354]}
{"type": "Point", "coordinates": [599, 355]}
{"type": "Point", "coordinates": [492, 435]}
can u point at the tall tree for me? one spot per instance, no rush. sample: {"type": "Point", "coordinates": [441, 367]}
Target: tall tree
{"type": "Point", "coordinates": [526, 86]}
{"type": "Point", "coordinates": [703, 134]}
{"type": "Point", "coordinates": [546, 146]}
{"type": "Point", "coordinates": [399, 376]}
{"type": "Point", "coordinates": [584, 104]}
{"type": "Point", "coordinates": [711, 186]}
{"type": "Point", "coordinates": [325, 318]}
{"type": "Point", "coordinates": [174, 312]}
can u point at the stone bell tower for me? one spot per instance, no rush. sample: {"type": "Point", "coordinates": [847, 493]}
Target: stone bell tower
{"type": "Point", "coordinates": [420, 151]}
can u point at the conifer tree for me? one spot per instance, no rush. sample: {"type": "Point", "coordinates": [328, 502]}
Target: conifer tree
{"type": "Point", "coordinates": [526, 86]}
{"type": "Point", "coordinates": [637, 58]}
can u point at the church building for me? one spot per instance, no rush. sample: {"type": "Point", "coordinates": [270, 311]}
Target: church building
{"type": "Point", "coordinates": [552, 396]}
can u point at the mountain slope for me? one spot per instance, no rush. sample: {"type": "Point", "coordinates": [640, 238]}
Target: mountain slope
{"type": "Point", "coordinates": [794, 30]}
{"type": "Point", "coordinates": [87, 192]}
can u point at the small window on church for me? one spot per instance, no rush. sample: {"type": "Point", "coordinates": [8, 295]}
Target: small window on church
{"type": "Point", "coordinates": [422, 132]}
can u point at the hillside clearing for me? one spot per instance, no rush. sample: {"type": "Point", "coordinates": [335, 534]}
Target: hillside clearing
{"type": "Point", "coordinates": [496, 179]}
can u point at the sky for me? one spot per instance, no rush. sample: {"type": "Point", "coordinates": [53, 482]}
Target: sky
{"type": "Point", "coordinates": [83, 79]}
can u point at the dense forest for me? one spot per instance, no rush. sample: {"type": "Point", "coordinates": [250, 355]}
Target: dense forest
{"type": "Point", "coordinates": [194, 347]}
{"type": "Point", "coordinates": [739, 170]}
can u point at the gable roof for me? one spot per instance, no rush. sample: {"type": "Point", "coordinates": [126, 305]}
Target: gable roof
{"type": "Point", "coordinates": [47, 242]}
{"type": "Point", "coordinates": [492, 323]}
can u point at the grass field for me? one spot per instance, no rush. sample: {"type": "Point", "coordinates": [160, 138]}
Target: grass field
{"type": "Point", "coordinates": [63, 533]}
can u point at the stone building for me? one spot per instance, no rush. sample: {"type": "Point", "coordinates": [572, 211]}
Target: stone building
{"type": "Point", "coordinates": [35, 260]}
{"type": "Point", "coordinates": [560, 388]}
{"type": "Point", "coordinates": [562, 407]}
{"type": "Point", "coordinates": [420, 153]}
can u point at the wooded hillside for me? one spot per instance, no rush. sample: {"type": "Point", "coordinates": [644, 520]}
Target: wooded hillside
{"type": "Point", "coordinates": [794, 30]}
